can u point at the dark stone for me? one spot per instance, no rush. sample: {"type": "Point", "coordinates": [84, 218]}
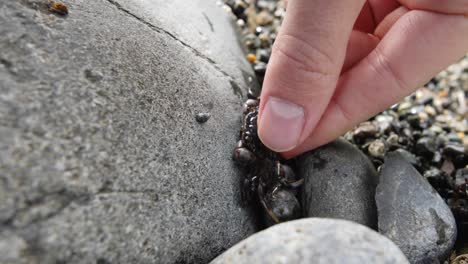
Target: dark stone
{"type": "Point", "coordinates": [202, 117]}
{"type": "Point", "coordinates": [314, 240]}
{"type": "Point", "coordinates": [454, 150]}
{"type": "Point", "coordinates": [436, 178]}
{"type": "Point", "coordinates": [461, 182]}
{"type": "Point", "coordinates": [425, 146]}
{"type": "Point", "coordinates": [409, 157]}
{"type": "Point", "coordinates": [263, 55]}
{"type": "Point", "coordinates": [260, 68]}
{"type": "Point", "coordinates": [414, 121]}
{"type": "Point", "coordinates": [412, 214]}
{"type": "Point", "coordinates": [339, 182]}
{"type": "Point", "coordinates": [92, 75]}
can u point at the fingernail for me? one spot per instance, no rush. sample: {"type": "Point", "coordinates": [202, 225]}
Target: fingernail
{"type": "Point", "coordinates": [281, 124]}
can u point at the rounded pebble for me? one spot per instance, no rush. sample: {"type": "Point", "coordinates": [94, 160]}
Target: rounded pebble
{"type": "Point", "coordinates": [251, 58]}
{"type": "Point", "coordinates": [339, 182]}
{"type": "Point", "coordinates": [314, 240]}
{"type": "Point", "coordinates": [377, 148]}
{"type": "Point", "coordinates": [202, 117]}
{"type": "Point", "coordinates": [412, 214]}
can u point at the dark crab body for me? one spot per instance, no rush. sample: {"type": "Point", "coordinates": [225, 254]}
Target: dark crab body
{"type": "Point", "coordinates": [268, 180]}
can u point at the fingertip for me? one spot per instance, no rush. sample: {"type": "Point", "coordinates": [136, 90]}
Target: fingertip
{"type": "Point", "coordinates": [281, 124]}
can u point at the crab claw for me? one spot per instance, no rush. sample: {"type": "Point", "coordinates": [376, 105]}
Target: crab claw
{"type": "Point", "coordinates": [287, 176]}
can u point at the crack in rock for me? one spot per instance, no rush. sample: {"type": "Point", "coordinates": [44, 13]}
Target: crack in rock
{"type": "Point", "coordinates": [173, 36]}
{"type": "Point", "coordinates": [61, 200]}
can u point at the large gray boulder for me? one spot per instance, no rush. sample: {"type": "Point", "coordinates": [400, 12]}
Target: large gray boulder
{"type": "Point", "coordinates": [315, 240]}
{"type": "Point", "coordinates": [412, 214]}
{"type": "Point", "coordinates": [102, 160]}
{"type": "Point", "coordinates": [339, 182]}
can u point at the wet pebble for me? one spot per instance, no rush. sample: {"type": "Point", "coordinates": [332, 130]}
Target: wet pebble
{"type": "Point", "coordinates": [425, 146]}
{"type": "Point", "coordinates": [365, 130]}
{"type": "Point", "coordinates": [377, 148]}
{"type": "Point", "coordinates": [454, 150]}
{"type": "Point", "coordinates": [384, 122]}
{"type": "Point", "coordinates": [260, 68]}
{"type": "Point", "coordinates": [263, 55]}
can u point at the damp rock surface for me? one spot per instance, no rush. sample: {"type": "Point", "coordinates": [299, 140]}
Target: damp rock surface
{"type": "Point", "coordinates": [101, 158]}
{"type": "Point", "coordinates": [412, 214]}
{"type": "Point", "coordinates": [339, 182]}
{"type": "Point", "coordinates": [315, 240]}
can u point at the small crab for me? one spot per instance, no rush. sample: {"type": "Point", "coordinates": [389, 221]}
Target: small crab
{"type": "Point", "coordinates": [267, 179]}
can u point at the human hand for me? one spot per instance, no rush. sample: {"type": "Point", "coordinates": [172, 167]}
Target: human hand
{"type": "Point", "coordinates": [336, 63]}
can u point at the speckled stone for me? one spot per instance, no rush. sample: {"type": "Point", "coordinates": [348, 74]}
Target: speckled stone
{"type": "Point", "coordinates": [101, 158]}
{"type": "Point", "coordinates": [339, 182]}
{"type": "Point", "coordinates": [315, 240]}
{"type": "Point", "coordinates": [412, 214]}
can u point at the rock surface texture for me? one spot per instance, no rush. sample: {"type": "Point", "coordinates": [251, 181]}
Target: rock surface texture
{"type": "Point", "coordinates": [339, 182]}
{"type": "Point", "coordinates": [315, 240]}
{"type": "Point", "coordinates": [101, 157]}
{"type": "Point", "coordinates": [412, 214]}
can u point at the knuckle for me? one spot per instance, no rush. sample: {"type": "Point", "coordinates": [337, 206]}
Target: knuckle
{"type": "Point", "coordinates": [304, 57]}
{"type": "Point", "coordinates": [382, 65]}
{"type": "Point", "coordinates": [347, 114]}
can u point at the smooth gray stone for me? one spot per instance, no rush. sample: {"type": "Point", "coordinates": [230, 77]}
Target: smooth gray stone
{"type": "Point", "coordinates": [315, 240]}
{"type": "Point", "coordinates": [412, 214]}
{"type": "Point", "coordinates": [101, 157]}
{"type": "Point", "coordinates": [339, 182]}
{"type": "Point", "coordinates": [199, 24]}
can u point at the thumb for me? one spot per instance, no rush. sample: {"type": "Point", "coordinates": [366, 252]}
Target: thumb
{"type": "Point", "coordinates": [304, 68]}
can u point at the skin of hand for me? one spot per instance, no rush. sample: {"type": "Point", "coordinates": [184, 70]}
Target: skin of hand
{"type": "Point", "coordinates": [336, 63]}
